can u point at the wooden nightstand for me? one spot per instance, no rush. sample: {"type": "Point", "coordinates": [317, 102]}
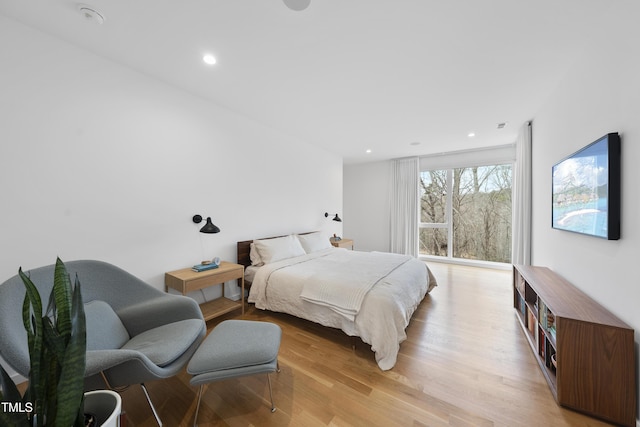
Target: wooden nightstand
{"type": "Point", "coordinates": [187, 280]}
{"type": "Point", "coordinates": [344, 243]}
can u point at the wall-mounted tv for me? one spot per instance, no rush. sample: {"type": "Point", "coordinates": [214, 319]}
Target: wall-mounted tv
{"type": "Point", "coordinates": [586, 190]}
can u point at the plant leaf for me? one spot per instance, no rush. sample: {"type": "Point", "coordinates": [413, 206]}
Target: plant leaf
{"type": "Point", "coordinates": [55, 343]}
{"type": "Point", "coordinates": [8, 388]}
{"type": "Point", "coordinates": [71, 385]}
{"type": "Point", "coordinates": [32, 305]}
{"type": "Point", "coordinates": [52, 371]}
{"type": "Point", "coordinates": [9, 393]}
{"type": "Point", "coordinates": [32, 319]}
{"type": "Point", "coordinates": [61, 300]}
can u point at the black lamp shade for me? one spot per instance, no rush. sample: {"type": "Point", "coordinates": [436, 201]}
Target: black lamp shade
{"type": "Point", "coordinates": [209, 227]}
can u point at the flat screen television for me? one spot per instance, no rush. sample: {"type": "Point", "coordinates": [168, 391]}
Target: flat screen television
{"type": "Point", "coordinates": [586, 190]}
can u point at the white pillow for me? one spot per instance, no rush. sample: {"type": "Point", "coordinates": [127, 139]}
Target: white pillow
{"type": "Point", "coordinates": [272, 250]}
{"type": "Point", "coordinates": [314, 242]}
{"type": "Point", "coordinates": [254, 255]}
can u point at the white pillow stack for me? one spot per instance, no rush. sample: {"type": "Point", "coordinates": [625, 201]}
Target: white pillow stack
{"type": "Point", "coordinates": [265, 251]}
{"type": "Point", "coordinates": [272, 250]}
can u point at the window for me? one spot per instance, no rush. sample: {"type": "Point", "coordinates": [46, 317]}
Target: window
{"type": "Point", "coordinates": [466, 213]}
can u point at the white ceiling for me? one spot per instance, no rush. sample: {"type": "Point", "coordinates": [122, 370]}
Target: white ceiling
{"type": "Point", "coordinates": [348, 75]}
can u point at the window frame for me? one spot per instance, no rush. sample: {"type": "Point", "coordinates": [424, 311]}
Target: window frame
{"type": "Point", "coordinates": [488, 156]}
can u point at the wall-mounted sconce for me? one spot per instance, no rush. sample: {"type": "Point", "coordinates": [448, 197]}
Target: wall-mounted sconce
{"type": "Point", "coordinates": [209, 227]}
{"type": "Point", "coordinates": [335, 218]}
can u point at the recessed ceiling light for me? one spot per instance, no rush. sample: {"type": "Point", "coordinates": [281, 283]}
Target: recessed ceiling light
{"type": "Point", "coordinates": [502, 125]}
{"type": "Point", "coordinates": [414, 143]}
{"type": "Point", "coordinates": [368, 151]}
{"type": "Point", "coordinates": [209, 59]}
{"type": "Point", "coordinates": [471, 135]}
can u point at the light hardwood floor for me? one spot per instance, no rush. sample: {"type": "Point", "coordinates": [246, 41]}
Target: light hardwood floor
{"type": "Point", "coordinates": [465, 363]}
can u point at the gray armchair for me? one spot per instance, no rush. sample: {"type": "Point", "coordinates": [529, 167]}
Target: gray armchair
{"type": "Point", "coordinates": [135, 332]}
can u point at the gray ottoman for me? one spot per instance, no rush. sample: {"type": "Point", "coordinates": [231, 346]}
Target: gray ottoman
{"type": "Point", "coordinates": [236, 348]}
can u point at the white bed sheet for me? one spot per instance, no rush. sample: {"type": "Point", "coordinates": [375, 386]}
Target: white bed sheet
{"type": "Point", "coordinates": [385, 312]}
{"type": "Point", "coordinates": [250, 273]}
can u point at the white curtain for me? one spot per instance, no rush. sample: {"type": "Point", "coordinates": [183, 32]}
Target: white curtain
{"type": "Point", "coordinates": [405, 195]}
{"type": "Point", "coordinates": [521, 211]}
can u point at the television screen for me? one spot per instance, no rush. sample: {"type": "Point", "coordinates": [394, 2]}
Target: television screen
{"type": "Point", "coordinates": [586, 190]}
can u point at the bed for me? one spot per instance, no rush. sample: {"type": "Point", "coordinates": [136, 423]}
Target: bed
{"type": "Point", "coordinates": [370, 295]}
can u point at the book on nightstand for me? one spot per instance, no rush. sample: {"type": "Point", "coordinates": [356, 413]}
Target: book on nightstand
{"type": "Point", "coordinates": [203, 267]}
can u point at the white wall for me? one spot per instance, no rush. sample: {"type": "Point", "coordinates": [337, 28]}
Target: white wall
{"type": "Point", "coordinates": [98, 161]}
{"type": "Point", "coordinates": [601, 94]}
{"type": "Point", "coordinates": [366, 205]}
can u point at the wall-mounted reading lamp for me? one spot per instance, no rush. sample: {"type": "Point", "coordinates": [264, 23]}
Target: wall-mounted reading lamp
{"type": "Point", "coordinates": [335, 218]}
{"type": "Point", "coordinates": [209, 227]}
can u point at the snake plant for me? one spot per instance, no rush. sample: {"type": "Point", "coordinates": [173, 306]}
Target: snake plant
{"type": "Point", "coordinates": [57, 348]}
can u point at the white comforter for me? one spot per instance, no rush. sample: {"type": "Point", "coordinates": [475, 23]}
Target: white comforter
{"type": "Point", "coordinates": [379, 318]}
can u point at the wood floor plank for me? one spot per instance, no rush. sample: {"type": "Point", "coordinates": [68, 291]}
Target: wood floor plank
{"type": "Point", "coordinates": [465, 362]}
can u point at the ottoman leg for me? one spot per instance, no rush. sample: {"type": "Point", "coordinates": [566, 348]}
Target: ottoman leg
{"type": "Point", "coordinates": [195, 418]}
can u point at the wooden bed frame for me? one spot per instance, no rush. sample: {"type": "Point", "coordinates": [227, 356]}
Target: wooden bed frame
{"type": "Point", "coordinates": [244, 249]}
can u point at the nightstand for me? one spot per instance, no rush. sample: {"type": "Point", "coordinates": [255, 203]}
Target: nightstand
{"type": "Point", "coordinates": [344, 243]}
{"type": "Point", "coordinates": [187, 280]}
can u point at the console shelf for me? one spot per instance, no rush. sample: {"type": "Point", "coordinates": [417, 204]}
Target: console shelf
{"type": "Point", "coordinates": [585, 352]}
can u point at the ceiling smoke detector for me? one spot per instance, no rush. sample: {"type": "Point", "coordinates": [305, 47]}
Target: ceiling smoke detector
{"type": "Point", "coordinates": [90, 14]}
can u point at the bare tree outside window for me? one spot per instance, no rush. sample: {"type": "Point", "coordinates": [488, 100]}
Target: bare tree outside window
{"type": "Point", "coordinates": [479, 222]}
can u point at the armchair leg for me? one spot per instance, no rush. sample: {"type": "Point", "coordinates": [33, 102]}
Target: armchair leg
{"type": "Point", "coordinates": [273, 407]}
{"type": "Point", "coordinates": [195, 418]}
{"type": "Point", "coordinates": [153, 409]}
